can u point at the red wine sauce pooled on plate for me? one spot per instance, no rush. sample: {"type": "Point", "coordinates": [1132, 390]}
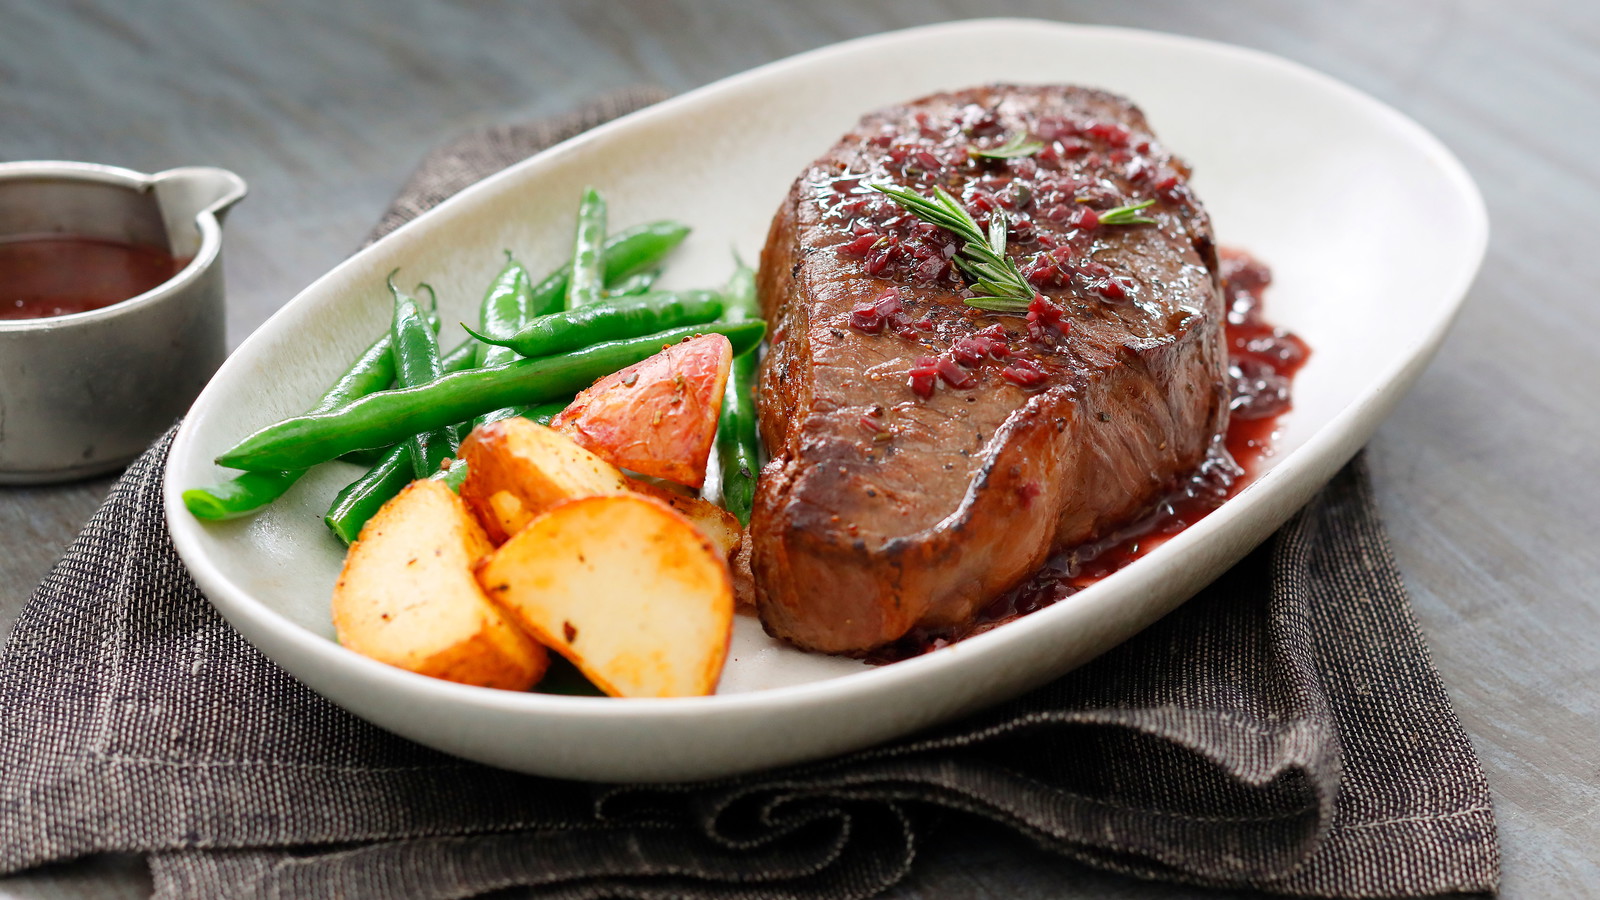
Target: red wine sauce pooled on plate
{"type": "Point", "coordinates": [1262, 362]}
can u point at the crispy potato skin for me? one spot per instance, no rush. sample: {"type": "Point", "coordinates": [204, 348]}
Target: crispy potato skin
{"type": "Point", "coordinates": [517, 469]}
{"type": "Point", "coordinates": [718, 525]}
{"type": "Point", "coordinates": [657, 417]}
{"type": "Point", "coordinates": [627, 578]}
{"type": "Point", "coordinates": [407, 596]}
{"type": "Point", "coordinates": [627, 589]}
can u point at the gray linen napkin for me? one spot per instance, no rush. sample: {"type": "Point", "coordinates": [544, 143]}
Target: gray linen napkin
{"type": "Point", "coordinates": [1284, 730]}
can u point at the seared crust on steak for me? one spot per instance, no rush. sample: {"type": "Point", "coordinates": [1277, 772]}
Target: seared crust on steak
{"type": "Point", "coordinates": [883, 510]}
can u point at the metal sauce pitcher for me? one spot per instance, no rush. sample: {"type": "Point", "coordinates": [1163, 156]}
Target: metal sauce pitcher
{"type": "Point", "coordinates": [83, 394]}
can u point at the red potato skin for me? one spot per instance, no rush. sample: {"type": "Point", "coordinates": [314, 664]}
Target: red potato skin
{"type": "Point", "coordinates": [657, 417]}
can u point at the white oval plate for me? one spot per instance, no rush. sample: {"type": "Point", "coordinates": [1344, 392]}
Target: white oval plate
{"type": "Point", "coordinates": [1373, 229]}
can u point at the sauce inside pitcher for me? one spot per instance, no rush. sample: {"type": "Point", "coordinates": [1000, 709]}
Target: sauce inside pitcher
{"type": "Point", "coordinates": [59, 274]}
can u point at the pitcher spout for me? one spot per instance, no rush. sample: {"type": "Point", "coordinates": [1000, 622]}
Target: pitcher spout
{"type": "Point", "coordinates": [197, 189]}
{"type": "Point", "coordinates": [190, 194]}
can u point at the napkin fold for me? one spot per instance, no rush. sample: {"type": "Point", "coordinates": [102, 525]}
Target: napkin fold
{"type": "Point", "coordinates": [1284, 730]}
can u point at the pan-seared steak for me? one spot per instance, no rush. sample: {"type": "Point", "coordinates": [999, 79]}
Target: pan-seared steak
{"type": "Point", "coordinates": [927, 455]}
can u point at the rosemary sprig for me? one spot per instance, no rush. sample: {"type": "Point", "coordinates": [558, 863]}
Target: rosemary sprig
{"type": "Point", "coordinates": [1015, 146]}
{"type": "Point", "coordinates": [1127, 215]}
{"type": "Point", "coordinates": [982, 257]}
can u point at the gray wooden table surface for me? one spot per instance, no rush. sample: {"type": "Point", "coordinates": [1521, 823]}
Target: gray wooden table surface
{"type": "Point", "coordinates": [1487, 473]}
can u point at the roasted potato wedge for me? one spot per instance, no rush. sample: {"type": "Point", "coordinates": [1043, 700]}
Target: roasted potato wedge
{"type": "Point", "coordinates": [717, 524]}
{"type": "Point", "coordinates": [407, 596]}
{"type": "Point", "coordinates": [516, 469]}
{"type": "Point", "coordinates": [657, 417]}
{"type": "Point", "coordinates": [624, 587]}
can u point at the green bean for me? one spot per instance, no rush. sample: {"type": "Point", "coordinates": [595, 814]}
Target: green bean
{"type": "Point", "coordinates": [390, 470]}
{"type": "Point", "coordinates": [367, 457]}
{"type": "Point", "coordinates": [588, 280]}
{"type": "Point", "coordinates": [505, 308]}
{"type": "Point", "coordinates": [372, 371]}
{"type": "Point", "coordinates": [633, 250]}
{"type": "Point", "coordinates": [544, 412]}
{"type": "Point", "coordinates": [565, 678]}
{"type": "Point", "coordinates": [416, 363]}
{"type": "Point", "coordinates": [451, 474]}
{"type": "Point", "coordinates": [628, 253]}
{"type": "Point", "coordinates": [389, 416]}
{"type": "Point", "coordinates": [361, 499]}
{"type": "Point", "coordinates": [608, 320]}
{"type": "Point", "coordinates": [538, 412]}
{"type": "Point", "coordinates": [461, 356]}
{"type": "Point", "coordinates": [738, 444]}
{"type": "Point", "coordinates": [627, 256]}
{"type": "Point", "coordinates": [634, 285]}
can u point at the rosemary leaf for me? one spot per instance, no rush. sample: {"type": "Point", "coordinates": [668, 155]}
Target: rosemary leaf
{"type": "Point", "coordinates": [1127, 215]}
{"type": "Point", "coordinates": [1015, 146]}
{"type": "Point", "coordinates": [982, 257]}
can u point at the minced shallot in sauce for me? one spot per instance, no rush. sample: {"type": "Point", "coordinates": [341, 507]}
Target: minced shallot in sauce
{"type": "Point", "coordinates": [1262, 362]}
